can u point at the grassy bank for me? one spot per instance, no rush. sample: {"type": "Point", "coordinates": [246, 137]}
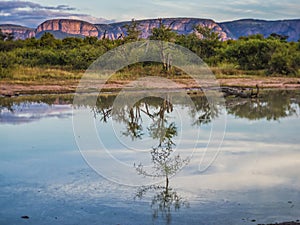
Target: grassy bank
{"type": "Point", "coordinates": [52, 75]}
{"type": "Point", "coordinates": [55, 80]}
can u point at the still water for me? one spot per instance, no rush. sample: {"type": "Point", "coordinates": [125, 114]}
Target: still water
{"type": "Point", "coordinates": [154, 165]}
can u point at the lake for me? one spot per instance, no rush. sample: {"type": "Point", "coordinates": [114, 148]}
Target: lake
{"type": "Point", "coordinates": [155, 161]}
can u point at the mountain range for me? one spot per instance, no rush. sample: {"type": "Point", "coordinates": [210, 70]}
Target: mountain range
{"type": "Point", "coordinates": [62, 28]}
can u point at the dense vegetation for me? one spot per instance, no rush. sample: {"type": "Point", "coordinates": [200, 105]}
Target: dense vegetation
{"type": "Point", "coordinates": [247, 55]}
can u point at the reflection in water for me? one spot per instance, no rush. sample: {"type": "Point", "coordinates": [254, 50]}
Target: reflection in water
{"type": "Point", "coordinates": [164, 199]}
{"type": "Point", "coordinates": [165, 162]}
{"type": "Point", "coordinates": [29, 109]}
{"type": "Point", "coordinates": [272, 105]}
{"type": "Point", "coordinates": [164, 202]}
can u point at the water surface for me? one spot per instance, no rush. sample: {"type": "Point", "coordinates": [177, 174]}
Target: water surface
{"type": "Point", "coordinates": [254, 178]}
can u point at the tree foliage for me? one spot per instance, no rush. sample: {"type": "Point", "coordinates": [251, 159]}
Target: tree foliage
{"type": "Point", "coordinates": [163, 33]}
{"type": "Point", "coordinates": [133, 32]}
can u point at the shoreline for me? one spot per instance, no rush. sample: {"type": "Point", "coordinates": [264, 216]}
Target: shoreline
{"type": "Point", "coordinates": [9, 88]}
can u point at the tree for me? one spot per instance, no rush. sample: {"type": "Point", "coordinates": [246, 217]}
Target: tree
{"type": "Point", "coordinates": [251, 37]}
{"type": "Point", "coordinates": [204, 42]}
{"type": "Point", "coordinates": [7, 62]}
{"type": "Point", "coordinates": [207, 33]}
{"type": "Point", "coordinates": [132, 31]}
{"type": "Point", "coordinates": [90, 40]}
{"type": "Point", "coordinates": [163, 33]}
{"type": "Point", "coordinates": [31, 42]}
{"type": "Point", "coordinates": [280, 37]}
{"type": "Point", "coordinates": [71, 42]}
{"type": "Point", "coordinates": [6, 36]}
{"type": "Point", "coordinates": [2, 35]}
{"type": "Point", "coordinates": [283, 62]}
{"type": "Point", "coordinates": [10, 37]}
{"type": "Point", "coordinates": [47, 40]}
{"type": "Point", "coordinates": [251, 54]}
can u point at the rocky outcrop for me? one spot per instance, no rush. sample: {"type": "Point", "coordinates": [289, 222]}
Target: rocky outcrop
{"type": "Point", "coordinates": [73, 27]}
{"type": "Point", "coordinates": [179, 25]}
{"type": "Point", "coordinates": [246, 27]}
{"type": "Point", "coordinates": [62, 28]}
{"type": "Point", "coordinates": [19, 32]}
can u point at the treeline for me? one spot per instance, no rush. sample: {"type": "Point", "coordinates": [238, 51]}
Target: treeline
{"type": "Point", "coordinates": [270, 56]}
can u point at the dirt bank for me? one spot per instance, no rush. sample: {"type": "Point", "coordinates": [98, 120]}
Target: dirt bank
{"type": "Point", "coordinates": [11, 89]}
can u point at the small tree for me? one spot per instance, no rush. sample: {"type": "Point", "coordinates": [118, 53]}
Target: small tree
{"type": "Point", "coordinates": [283, 63]}
{"type": "Point", "coordinates": [163, 33]}
{"type": "Point", "coordinates": [47, 40]}
{"type": "Point", "coordinates": [251, 54]}
{"type": "Point", "coordinates": [6, 36]}
{"type": "Point", "coordinates": [209, 42]}
{"type": "Point", "coordinates": [2, 35]}
{"type": "Point", "coordinates": [207, 33]}
{"type": "Point", "coordinates": [280, 37]}
{"type": "Point", "coordinates": [90, 40]}
{"type": "Point", "coordinates": [132, 30]}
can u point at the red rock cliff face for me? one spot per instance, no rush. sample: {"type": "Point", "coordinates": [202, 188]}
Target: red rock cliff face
{"type": "Point", "coordinates": [18, 32]}
{"type": "Point", "coordinates": [182, 26]}
{"type": "Point", "coordinates": [63, 28]}
{"type": "Point", "coordinates": [179, 25]}
{"type": "Point", "coordinates": [75, 27]}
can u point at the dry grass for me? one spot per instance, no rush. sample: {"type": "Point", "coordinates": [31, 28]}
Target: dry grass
{"type": "Point", "coordinates": [22, 73]}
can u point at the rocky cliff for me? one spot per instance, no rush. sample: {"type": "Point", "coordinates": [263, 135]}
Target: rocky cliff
{"type": "Point", "coordinates": [180, 25]}
{"type": "Point", "coordinates": [246, 27]}
{"type": "Point", "coordinates": [19, 32]}
{"type": "Point", "coordinates": [62, 28]}
{"type": "Point", "coordinates": [66, 26]}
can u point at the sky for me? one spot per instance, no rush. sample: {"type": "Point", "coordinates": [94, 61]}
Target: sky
{"type": "Point", "coordinates": [32, 13]}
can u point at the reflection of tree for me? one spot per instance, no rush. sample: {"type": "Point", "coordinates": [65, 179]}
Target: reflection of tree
{"type": "Point", "coordinates": [203, 112]}
{"type": "Point", "coordinates": [134, 127]}
{"type": "Point", "coordinates": [10, 104]}
{"type": "Point", "coordinates": [165, 164]}
{"type": "Point", "coordinates": [272, 105]}
{"type": "Point", "coordinates": [103, 108]}
{"type": "Point", "coordinates": [164, 201]}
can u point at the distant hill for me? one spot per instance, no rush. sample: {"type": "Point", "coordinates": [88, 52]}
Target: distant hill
{"type": "Point", "coordinates": [246, 27]}
{"type": "Point", "coordinates": [18, 31]}
{"type": "Point", "coordinates": [62, 28]}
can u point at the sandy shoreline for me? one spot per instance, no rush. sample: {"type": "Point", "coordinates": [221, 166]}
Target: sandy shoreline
{"type": "Point", "coordinates": [11, 89]}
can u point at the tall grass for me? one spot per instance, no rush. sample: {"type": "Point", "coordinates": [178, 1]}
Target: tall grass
{"type": "Point", "coordinates": [22, 73]}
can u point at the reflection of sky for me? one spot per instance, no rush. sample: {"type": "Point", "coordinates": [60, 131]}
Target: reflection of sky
{"type": "Point", "coordinates": [253, 155]}
{"type": "Point", "coordinates": [258, 164]}
{"type": "Point", "coordinates": [30, 112]}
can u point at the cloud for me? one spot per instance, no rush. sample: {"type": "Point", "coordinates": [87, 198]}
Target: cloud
{"type": "Point", "coordinates": [268, 9]}
{"type": "Point", "coordinates": [31, 14]}
{"type": "Point", "coordinates": [220, 11]}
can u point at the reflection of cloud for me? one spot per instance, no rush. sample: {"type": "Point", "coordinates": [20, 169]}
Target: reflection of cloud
{"type": "Point", "coordinates": [245, 165]}
{"type": "Point", "coordinates": [26, 113]}
{"type": "Point", "coordinates": [31, 14]}
{"type": "Point", "coordinates": [257, 155]}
